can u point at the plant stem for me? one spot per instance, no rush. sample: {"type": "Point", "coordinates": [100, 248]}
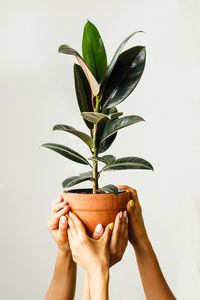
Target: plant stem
{"type": "Point", "coordinates": [95, 152]}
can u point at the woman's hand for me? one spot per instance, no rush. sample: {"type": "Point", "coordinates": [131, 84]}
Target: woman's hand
{"type": "Point", "coordinates": [119, 238]}
{"type": "Point", "coordinates": [57, 224]}
{"type": "Point", "coordinates": [137, 232]}
{"type": "Point", "coordinates": [85, 250]}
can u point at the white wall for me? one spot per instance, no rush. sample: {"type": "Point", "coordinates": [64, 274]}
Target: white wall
{"type": "Point", "coordinates": [37, 92]}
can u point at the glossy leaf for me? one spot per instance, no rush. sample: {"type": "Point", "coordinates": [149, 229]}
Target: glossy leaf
{"type": "Point", "coordinates": [83, 92]}
{"type": "Point", "coordinates": [105, 145]}
{"type": "Point", "coordinates": [106, 159]}
{"type": "Point", "coordinates": [110, 188]}
{"type": "Point", "coordinates": [81, 135]}
{"type": "Point", "coordinates": [67, 152]}
{"type": "Point", "coordinates": [93, 51]}
{"type": "Point", "coordinates": [115, 115]}
{"type": "Point", "coordinates": [91, 79]}
{"type": "Point", "coordinates": [114, 125]}
{"type": "Point", "coordinates": [100, 131]}
{"type": "Point", "coordinates": [115, 57]}
{"type": "Point", "coordinates": [71, 181]}
{"type": "Point", "coordinates": [130, 162]}
{"type": "Point", "coordinates": [93, 117]}
{"type": "Point", "coordinates": [125, 76]}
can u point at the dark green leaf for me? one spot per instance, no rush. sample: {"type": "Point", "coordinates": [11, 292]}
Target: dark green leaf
{"type": "Point", "coordinates": [106, 159]}
{"type": "Point", "coordinates": [130, 162]}
{"type": "Point", "coordinates": [107, 143]}
{"type": "Point", "coordinates": [67, 152]}
{"type": "Point", "coordinates": [113, 126]}
{"type": "Point", "coordinates": [110, 188]}
{"type": "Point", "coordinates": [93, 51]}
{"type": "Point", "coordinates": [93, 117]}
{"type": "Point", "coordinates": [76, 179]}
{"type": "Point", "coordinates": [125, 76]}
{"type": "Point", "coordinates": [115, 57]}
{"type": "Point", "coordinates": [91, 79]}
{"type": "Point", "coordinates": [115, 115]}
{"type": "Point", "coordinates": [100, 131]}
{"type": "Point", "coordinates": [83, 92]}
{"type": "Point", "coordinates": [83, 136]}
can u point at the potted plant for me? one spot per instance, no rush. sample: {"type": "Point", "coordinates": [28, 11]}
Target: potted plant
{"type": "Point", "coordinates": [99, 89]}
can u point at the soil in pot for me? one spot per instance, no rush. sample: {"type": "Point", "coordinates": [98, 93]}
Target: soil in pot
{"type": "Point", "coordinates": [94, 209]}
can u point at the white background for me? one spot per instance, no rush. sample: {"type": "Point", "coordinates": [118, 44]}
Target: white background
{"type": "Point", "coordinates": [37, 92]}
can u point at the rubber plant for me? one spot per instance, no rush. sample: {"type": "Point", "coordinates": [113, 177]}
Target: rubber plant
{"type": "Point", "coordinates": [99, 89]}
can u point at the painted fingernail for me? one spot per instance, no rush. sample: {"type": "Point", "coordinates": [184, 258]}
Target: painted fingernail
{"type": "Point", "coordinates": [131, 203]}
{"type": "Point", "coordinates": [98, 228]}
{"type": "Point", "coordinates": [58, 199]}
{"type": "Point", "coordinates": [125, 214]}
{"type": "Point", "coordinates": [70, 214]}
{"type": "Point", "coordinates": [111, 226]}
{"type": "Point", "coordinates": [63, 220]}
{"type": "Point", "coordinates": [120, 214]}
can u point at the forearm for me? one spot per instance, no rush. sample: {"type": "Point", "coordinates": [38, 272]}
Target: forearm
{"type": "Point", "coordinates": [99, 281]}
{"type": "Point", "coordinates": [63, 283]}
{"type": "Point", "coordinates": [86, 288]}
{"type": "Point", "coordinates": [154, 283]}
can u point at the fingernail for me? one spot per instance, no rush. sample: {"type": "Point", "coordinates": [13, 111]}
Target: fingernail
{"type": "Point", "coordinates": [131, 203]}
{"type": "Point", "coordinates": [70, 214]}
{"type": "Point", "coordinates": [120, 214]}
{"type": "Point", "coordinates": [63, 220]}
{"type": "Point", "coordinates": [111, 226]}
{"type": "Point", "coordinates": [125, 214]}
{"type": "Point", "coordinates": [98, 228]}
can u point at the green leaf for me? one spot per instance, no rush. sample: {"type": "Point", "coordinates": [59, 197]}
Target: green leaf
{"type": "Point", "coordinates": [91, 79]}
{"type": "Point", "coordinates": [130, 162]}
{"type": "Point", "coordinates": [125, 76]}
{"type": "Point", "coordinates": [100, 131]}
{"type": "Point", "coordinates": [115, 57]}
{"type": "Point", "coordinates": [67, 152]}
{"type": "Point", "coordinates": [105, 145]}
{"type": "Point", "coordinates": [93, 117]}
{"type": "Point", "coordinates": [108, 141]}
{"type": "Point", "coordinates": [77, 179]}
{"type": "Point", "coordinates": [115, 115]}
{"type": "Point", "coordinates": [83, 136]}
{"type": "Point", "coordinates": [113, 126]}
{"type": "Point", "coordinates": [110, 188]}
{"type": "Point", "coordinates": [106, 159]}
{"type": "Point", "coordinates": [93, 51]}
{"type": "Point", "coordinates": [83, 92]}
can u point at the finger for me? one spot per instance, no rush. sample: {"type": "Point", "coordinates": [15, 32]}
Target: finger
{"type": "Point", "coordinates": [58, 206]}
{"type": "Point", "coordinates": [63, 223]}
{"type": "Point", "coordinates": [107, 233]}
{"type": "Point", "coordinates": [116, 229]}
{"type": "Point", "coordinates": [54, 221]}
{"type": "Point", "coordinates": [133, 193]}
{"type": "Point", "coordinates": [58, 200]}
{"type": "Point", "coordinates": [72, 227]}
{"type": "Point", "coordinates": [130, 207]}
{"type": "Point", "coordinates": [97, 232]}
{"type": "Point", "coordinates": [78, 224]}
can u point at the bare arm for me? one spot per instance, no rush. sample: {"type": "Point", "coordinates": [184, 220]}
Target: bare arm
{"type": "Point", "coordinates": [117, 246]}
{"type": "Point", "coordinates": [154, 283]}
{"type": "Point", "coordinates": [63, 283]}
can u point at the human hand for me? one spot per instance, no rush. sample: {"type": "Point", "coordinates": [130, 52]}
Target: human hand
{"type": "Point", "coordinates": [137, 232]}
{"type": "Point", "coordinates": [85, 250]}
{"type": "Point", "coordinates": [119, 237]}
{"type": "Point", "coordinates": [57, 224]}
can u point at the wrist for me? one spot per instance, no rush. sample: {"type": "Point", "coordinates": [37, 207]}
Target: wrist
{"type": "Point", "coordinates": [100, 271]}
{"type": "Point", "coordinates": [142, 247]}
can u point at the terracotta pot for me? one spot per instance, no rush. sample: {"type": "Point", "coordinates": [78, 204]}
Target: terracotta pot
{"type": "Point", "coordinates": [95, 209]}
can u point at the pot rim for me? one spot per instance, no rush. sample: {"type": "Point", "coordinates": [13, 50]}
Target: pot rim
{"type": "Point", "coordinates": [79, 191]}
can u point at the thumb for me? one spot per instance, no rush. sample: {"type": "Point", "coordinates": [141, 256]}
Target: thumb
{"type": "Point", "coordinates": [97, 232]}
{"type": "Point", "coordinates": [107, 233]}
